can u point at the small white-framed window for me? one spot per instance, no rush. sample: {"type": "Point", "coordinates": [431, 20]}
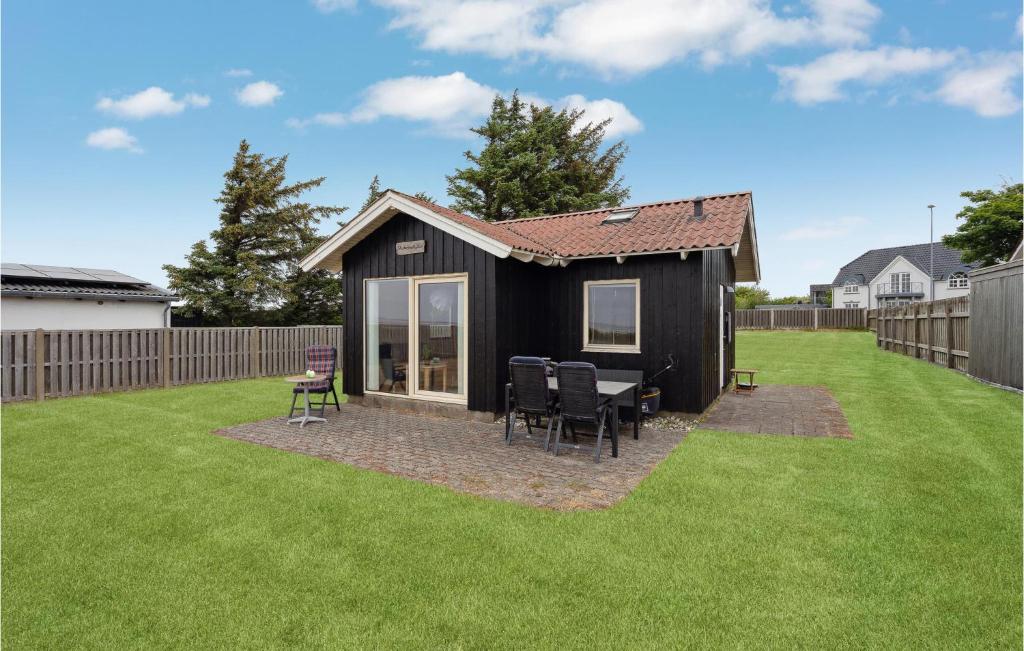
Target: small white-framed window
{"type": "Point", "coordinates": [611, 316]}
{"type": "Point", "coordinates": [851, 305]}
{"type": "Point", "coordinates": [900, 282]}
{"type": "Point", "coordinates": [958, 280]}
{"type": "Point", "coordinates": [851, 288]}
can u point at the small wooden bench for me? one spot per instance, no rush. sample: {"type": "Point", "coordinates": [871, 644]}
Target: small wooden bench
{"type": "Point", "coordinates": [747, 387]}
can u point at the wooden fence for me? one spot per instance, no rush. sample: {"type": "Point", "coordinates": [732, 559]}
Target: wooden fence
{"type": "Point", "coordinates": [56, 363]}
{"type": "Point", "coordinates": [820, 319]}
{"type": "Point", "coordinates": [938, 331]}
{"type": "Point", "coordinates": [997, 330]}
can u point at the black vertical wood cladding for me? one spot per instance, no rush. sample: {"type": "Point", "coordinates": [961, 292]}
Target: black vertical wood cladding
{"type": "Point", "coordinates": [718, 270]}
{"type": "Point", "coordinates": [518, 308]}
{"type": "Point", "coordinates": [543, 315]}
{"type": "Point", "coordinates": [375, 257]}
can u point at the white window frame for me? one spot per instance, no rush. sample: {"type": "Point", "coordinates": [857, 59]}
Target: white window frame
{"type": "Point", "coordinates": [412, 377]}
{"type": "Point", "coordinates": [899, 282]}
{"type": "Point", "coordinates": [851, 288]}
{"type": "Point", "coordinates": [604, 348]}
{"type": "Point", "coordinates": [851, 305]}
{"type": "Point", "coordinates": [958, 280]}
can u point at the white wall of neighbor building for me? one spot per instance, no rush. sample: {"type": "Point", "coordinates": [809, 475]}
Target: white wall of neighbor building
{"type": "Point", "coordinates": [22, 313]}
{"type": "Point", "coordinates": [865, 296]}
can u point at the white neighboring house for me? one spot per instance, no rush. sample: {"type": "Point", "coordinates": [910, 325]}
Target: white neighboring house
{"type": "Point", "coordinates": [899, 275]}
{"type": "Point", "coordinates": [73, 298]}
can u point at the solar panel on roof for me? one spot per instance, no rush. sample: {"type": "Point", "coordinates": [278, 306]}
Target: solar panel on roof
{"type": "Point", "coordinates": [19, 270]}
{"type": "Point", "coordinates": [69, 273]}
{"type": "Point", "coordinates": [114, 277]}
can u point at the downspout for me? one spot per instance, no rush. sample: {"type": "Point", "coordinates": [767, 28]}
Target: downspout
{"type": "Point", "coordinates": [167, 316]}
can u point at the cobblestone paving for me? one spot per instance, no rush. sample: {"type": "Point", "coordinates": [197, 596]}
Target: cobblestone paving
{"type": "Point", "coordinates": [470, 457]}
{"type": "Point", "coordinates": [780, 409]}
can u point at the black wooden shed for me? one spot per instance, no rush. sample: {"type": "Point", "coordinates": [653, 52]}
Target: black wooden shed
{"type": "Point", "coordinates": [436, 301]}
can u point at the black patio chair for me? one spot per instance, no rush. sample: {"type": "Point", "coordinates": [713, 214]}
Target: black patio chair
{"type": "Point", "coordinates": [320, 359]}
{"type": "Point", "coordinates": [580, 403]}
{"type": "Point", "coordinates": [530, 398]}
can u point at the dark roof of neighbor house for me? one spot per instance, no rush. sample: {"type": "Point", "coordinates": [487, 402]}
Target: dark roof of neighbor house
{"type": "Point", "coordinates": [44, 281]}
{"type": "Point", "coordinates": [820, 288]}
{"type": "Point", "coordinates": [866, 267]}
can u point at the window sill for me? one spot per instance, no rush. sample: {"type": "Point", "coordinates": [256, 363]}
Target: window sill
{"type": "Point", "coordinates": [632, 350]}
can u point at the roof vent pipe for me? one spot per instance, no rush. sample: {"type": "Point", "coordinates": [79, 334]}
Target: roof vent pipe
{"type": "Point", "coordinates": [698, 208]}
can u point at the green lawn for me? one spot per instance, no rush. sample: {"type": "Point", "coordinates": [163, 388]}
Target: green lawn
{"type": "Point", "coordinates": [126, 524]}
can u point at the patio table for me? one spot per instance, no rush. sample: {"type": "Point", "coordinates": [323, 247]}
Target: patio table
{"type": "Point", "coordinates": [606, 389]}
{"type": "Point", "coordinates": [304, 382]}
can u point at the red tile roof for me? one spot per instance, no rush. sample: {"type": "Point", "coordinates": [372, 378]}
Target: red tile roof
{"type": "Point", "coordinates": [661, 226]}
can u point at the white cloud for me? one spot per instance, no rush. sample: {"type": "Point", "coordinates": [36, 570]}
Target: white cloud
{"type": "Point", "coordinates": [623, 121]}
{"type": "Point", "coordinates": [824, 230]}
{"type": "Point", "coordinates": [629, 37]}
{"type": "Point", "coordinates": [987, 85]}
{"type": "Point", "coordinates": [1020, 25]}
{"type": "Point", "coordinates": [259, 93]}
{"type": "Point", "coordinates": [197, 100]}
{"type": "Point", "coordinates": [452, 103]}
{"type": "Point", "coordinates": [447, 99]}
{"type": "Point", "coordinates": [150, 102]}
{"type": "Point", "coordinates": [822, 80]}
{"type": "Point", "coordinates": [238, 72]}
{"type": "Point", "coordinates": [325, 119]}
{"type": "Point", "coordinates": [113, 138]}
{"type": "Point", "coordinates": [330, 6]}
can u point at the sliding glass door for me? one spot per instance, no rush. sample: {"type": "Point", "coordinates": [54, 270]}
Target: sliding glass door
{"type": "Point", "coordinates": [387, 336]}
{"type": "Point", "coordinates": [440, 336]}
{"type": "Point", "coordinates": [415, 340]}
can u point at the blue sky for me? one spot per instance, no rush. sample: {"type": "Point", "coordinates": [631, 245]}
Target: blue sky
{"type": "Point", "coordinates": [845, 118]}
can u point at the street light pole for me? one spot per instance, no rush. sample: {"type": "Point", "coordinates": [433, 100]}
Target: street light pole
{"type": "Point", "coordinates": [931, 252]}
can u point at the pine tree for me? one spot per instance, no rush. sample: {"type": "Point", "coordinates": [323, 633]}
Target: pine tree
{"type": "Point", "coordinates": [536, 160]}
{"type": "Point", "coordinates": [374, 192]}
{"type": "Point", "coordinates": [249, 272]}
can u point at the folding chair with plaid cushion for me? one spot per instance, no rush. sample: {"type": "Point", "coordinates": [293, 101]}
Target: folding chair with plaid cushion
{"type": "Point", "coordinates": [319, 359]}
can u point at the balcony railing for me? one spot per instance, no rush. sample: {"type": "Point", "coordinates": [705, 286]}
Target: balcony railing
{"type": "Point", "coordinates": [899, 289]}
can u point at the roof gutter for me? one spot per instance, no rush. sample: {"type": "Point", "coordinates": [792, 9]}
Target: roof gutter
{"type": "Point", "coordinates": [92, 296]}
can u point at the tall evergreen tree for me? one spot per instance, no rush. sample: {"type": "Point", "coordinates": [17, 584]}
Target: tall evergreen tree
{"type": "Point", "coordinates": [535, 161]}
{"type": "Point", "coordinates": [374, 192]}
{"type": "Point", "coordinates": [249, 274]}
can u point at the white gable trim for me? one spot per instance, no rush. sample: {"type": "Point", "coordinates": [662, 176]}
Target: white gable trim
{"type": "Point", "coordinates": [753, 239]}
{"type": "Point", "coordinates": [328, 254]}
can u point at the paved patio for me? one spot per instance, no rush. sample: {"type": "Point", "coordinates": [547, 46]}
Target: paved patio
{"type": "Point", "coordinates": [469, 457]}
{"type": "Point", "coordinates": [780, 409]}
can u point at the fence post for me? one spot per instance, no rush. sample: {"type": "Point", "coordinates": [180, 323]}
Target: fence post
{"type": "Point", "coordinates": [40, 364]}
{"type": "Point", "coordinates": [949, 335]}
{"type": "Point", "coordinates": [913, 325]}
{"type": "Point", "coordinates": [165, 357]}
{"type": "Point", "coordinates": [930, 328]}
{"type": "Point", "coordinates": [771, 319]}
{"type": "Point", "coordinates": [254, 351]}
{"type": "Point", "coordinates": [815, 310]}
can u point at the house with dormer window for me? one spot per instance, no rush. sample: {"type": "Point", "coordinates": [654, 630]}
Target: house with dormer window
{"type": "Point", "coordinates": [898, 275]}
